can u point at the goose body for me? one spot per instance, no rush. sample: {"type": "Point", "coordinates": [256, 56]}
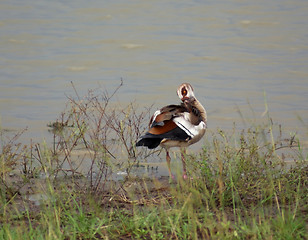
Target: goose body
{"type": "Point", "coordinates": [176, 125]}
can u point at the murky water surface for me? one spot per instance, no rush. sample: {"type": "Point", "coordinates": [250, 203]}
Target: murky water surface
{"type": "Point", "coordinates": [230, 51]}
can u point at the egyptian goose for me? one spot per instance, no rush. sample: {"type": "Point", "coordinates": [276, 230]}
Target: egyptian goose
{"type": "Point", "coordinates": [176, 125]}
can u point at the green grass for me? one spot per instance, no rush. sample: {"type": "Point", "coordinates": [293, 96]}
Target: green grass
{"type": "Point", "coordinates": [239, 191]}
{"type": "Point", "coordinates": [242, 187]}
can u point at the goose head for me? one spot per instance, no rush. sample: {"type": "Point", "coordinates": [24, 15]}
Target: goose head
{"type": "Point", "coordinates": [186, 92]}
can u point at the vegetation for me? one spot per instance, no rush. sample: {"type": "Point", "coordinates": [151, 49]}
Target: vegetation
{"type": "Point", "coordinates": [246, 185]}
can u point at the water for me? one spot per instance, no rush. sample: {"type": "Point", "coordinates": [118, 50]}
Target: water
{"type": "Point", "coordinates": [230, 51]}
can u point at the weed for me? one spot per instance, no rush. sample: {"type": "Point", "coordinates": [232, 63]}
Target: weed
{"type": "Point", "coordinates": [242, 187]}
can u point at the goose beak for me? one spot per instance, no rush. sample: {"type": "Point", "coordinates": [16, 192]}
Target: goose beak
{"type": "Point", "coordinates": [188, 99]}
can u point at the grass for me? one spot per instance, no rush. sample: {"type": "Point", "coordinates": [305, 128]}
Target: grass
{"type": "Point", "coordinates": [242, 187]}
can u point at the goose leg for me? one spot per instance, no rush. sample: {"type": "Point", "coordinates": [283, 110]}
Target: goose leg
{"type": "Point", "coordinates": [168, 159]}
{"type": "Point", "coordinates": [183, 153]}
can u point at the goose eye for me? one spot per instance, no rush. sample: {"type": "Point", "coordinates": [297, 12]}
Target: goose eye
{"type": "Point", "coordinates": [184, 92]}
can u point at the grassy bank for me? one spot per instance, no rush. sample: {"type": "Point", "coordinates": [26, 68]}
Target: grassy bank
{"type": "Point", "coordinates": [249, 184]}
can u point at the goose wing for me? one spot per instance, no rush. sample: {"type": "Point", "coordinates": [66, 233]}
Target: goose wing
{"type": "Point", "coordinates": [162, 126]}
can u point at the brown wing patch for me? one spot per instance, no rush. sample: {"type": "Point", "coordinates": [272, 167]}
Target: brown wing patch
{"type": "Point", "coordinates": [168, 112]}
{"type": "Point", "coordinates": [162, 117]}
{"type": "Point", "coordinates": [168, 126]}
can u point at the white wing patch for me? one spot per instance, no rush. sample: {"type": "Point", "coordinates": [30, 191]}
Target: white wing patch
{"type": "Point", "coordinates": [156, 114]}
{"type": "Point", "coordinates": [191, 130]}
{"type": "Point", "coordinates": [154, 117]}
